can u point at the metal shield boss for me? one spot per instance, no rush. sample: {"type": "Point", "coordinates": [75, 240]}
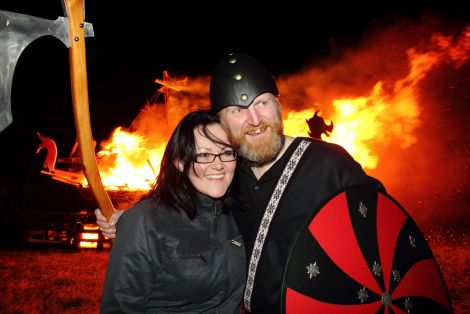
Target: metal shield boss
{"type": "Point", "coordinates": [362, 253]}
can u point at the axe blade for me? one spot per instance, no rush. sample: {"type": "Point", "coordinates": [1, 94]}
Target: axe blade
{"type": "Point", "coordinates": [17, 31]}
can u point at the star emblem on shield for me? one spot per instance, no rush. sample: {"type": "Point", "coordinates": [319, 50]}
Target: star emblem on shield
{"type": "Point", "coordinates": [312, 270]}
{"type": "Point", "coordinates": [362, 209]}
{"type": "Point", "coordinates": [362, 294]}
{"type": "Point", "coordinates": [408, 305]}
{"type": "Point", "coordinates": [381, 264]}
{"type": "Point", "coordinates": [376, 269]}
{"type": "Point", "coordinates": [396, 275]}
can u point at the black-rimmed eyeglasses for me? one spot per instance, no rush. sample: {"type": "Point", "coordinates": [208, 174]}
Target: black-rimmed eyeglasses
{"type": "Point", "coordinates": [207, 158]}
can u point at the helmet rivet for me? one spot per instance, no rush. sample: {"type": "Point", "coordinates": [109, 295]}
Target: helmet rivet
{"type": "Point", "coordinates": [244, 97]}
{"type": "Point", "coordinates": [232, 60]}
{"type": "Point", "coordinates": [237, 76]}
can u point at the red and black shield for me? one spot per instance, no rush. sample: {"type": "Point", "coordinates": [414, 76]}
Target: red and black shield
{"type": "Point", "coordinates": [362, 253]}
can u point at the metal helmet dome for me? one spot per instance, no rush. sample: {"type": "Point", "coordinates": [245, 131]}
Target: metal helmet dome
{"type": "Point", "coordinates": [237, 80]}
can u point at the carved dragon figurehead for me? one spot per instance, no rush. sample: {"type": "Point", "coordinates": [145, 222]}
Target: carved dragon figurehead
{"type": "Point", "coordinates": [317, 126]}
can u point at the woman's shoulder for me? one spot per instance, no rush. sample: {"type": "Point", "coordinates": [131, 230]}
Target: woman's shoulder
{"type": "Point", "coordinates": [142, 208]}
{"type": "Point", "coordinates": [151, 211]}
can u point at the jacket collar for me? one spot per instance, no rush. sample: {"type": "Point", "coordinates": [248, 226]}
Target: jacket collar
{"type": "Point", "coordinates": [209, 204]}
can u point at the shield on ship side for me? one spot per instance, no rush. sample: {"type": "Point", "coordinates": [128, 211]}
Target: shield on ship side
{"type": "Point", "coordinates": [362, 253]}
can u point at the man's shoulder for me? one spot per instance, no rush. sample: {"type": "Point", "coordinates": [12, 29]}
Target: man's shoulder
{"type": "Point", "coordinates": [323, 147]}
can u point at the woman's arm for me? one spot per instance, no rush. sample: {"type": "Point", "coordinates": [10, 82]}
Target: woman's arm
{"type": "Point", "coordinates": [131, 268]}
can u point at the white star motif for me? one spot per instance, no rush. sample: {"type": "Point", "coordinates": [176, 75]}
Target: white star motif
{"type": "Point", "coordinates": [362, 294]}
{"type": "Point", "coordinates": [362, 209]}
{"type": "Point", "coordinates": [408, 305]}
{"type": "Point", "coordinates": [312, 270]}
{"type": "Point", "coordinates": [377, 269]}
{"type": "Point", "coordinates": [396, 275]}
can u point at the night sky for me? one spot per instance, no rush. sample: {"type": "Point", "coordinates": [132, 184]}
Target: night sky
{"type": "Point", "coordinates": [136, 40]}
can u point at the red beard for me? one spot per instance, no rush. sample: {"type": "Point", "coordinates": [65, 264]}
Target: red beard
{"type": "Point", "coordinates": [259, 151]}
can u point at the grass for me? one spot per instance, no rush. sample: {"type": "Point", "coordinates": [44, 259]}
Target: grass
{"type": "Point", "coordinates": [51, 282]}
{"type": "Point", "coordinates": [453, 257]}
{"type": "Point", "coordinates": [71, 282]}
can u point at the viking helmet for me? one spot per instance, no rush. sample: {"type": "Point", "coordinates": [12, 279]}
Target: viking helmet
{"type": "Point", "coordinates": [237, 80]}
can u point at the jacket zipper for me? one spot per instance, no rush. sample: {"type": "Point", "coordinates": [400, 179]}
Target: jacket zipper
{"type": "Point", "coordinates": [235, 242]}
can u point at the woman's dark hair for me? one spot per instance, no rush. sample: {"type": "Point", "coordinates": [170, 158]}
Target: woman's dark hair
{"type": "Point", "coordinates": [173, 187]}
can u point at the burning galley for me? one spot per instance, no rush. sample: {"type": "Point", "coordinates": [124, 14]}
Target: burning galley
{"type": "Point", "coordinates": [129, 161]}
{"type": "Point", "coordinates": [386, 113]}
{"type": "Point", "coordinates": [372, 94]}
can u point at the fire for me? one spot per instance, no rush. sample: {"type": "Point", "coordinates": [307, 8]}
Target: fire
{"type": "Point", "coordinates": [365, 122]}
{"type": "Point", "coordinates": [361, 121]}
{"type": "Point", "coordinates": [366, 119]}
{"type": "Point", "coordinates": [128, 162]}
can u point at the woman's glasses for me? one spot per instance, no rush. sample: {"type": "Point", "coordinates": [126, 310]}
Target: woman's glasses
{"type": "Point", "coordinates": [207, 158]}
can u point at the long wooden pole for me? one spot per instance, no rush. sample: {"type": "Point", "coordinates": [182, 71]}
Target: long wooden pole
{"type": "Point", "coordinates": [78, 75]}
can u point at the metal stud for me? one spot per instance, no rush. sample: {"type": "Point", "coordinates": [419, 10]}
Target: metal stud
{"type": "Point", "coordinates": [238, 76]}
{"type": "Point", "coordinates": [244, 97]}
{"type": "Point", "coordinates": [386, 299]}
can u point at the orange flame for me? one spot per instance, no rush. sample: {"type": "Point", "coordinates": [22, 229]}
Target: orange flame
{"type": "Point", "coordinates": [364, 122]}
{"type": "Point", "coordinates": [386, 113]}
{"type": "Point", "coordinates": [128, 162]}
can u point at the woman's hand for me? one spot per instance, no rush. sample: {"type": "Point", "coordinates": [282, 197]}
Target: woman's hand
{"type": "Point", "coordinates": [108, 228]}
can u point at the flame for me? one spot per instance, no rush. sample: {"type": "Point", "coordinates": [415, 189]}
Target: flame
{"type": "Point", "coordinates": [376, 118]}
{"type": "Point", "coordinates": [128, 162]}
{"type": "Point", "coordinates": [386, 113]}
{"type": "Point", "coordinates": [361, 121]}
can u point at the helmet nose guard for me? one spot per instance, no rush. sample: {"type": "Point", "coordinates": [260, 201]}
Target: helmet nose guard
{"type": "Point", "coordinates": [237, 80]}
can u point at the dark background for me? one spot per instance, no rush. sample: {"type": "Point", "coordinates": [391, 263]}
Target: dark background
{"type": "Point", "coordinates": [136, 40]}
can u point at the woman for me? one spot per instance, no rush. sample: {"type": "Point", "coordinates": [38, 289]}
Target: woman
{"type": "Point", "coordinates": [178, 250]}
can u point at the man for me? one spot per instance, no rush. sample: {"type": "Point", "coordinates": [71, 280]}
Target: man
{"type": "Point", "coordinates": [245, 97]}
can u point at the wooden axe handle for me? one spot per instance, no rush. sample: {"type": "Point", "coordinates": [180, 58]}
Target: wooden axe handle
{"type": "Point", "coordinates": [78, 76]}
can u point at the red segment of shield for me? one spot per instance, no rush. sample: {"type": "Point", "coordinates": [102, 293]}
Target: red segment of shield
{"type": "Point", "coordinates": [362, 253]}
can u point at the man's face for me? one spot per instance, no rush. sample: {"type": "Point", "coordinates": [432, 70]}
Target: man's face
{"type": "Point", "coordinates": [256, 131]}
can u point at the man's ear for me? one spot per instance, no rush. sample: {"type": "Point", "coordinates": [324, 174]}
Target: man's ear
{"type": "Point", "coordinates": [179, 165]}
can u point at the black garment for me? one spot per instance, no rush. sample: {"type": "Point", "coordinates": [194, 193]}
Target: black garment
{"type": "Point", "coordinates": [164, 262]}
{"type": "Point", "coordinates": [323, 169]}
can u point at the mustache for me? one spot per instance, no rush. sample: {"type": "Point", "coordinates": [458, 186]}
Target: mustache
{"type": "Point", "coordinates": [261, 126]}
